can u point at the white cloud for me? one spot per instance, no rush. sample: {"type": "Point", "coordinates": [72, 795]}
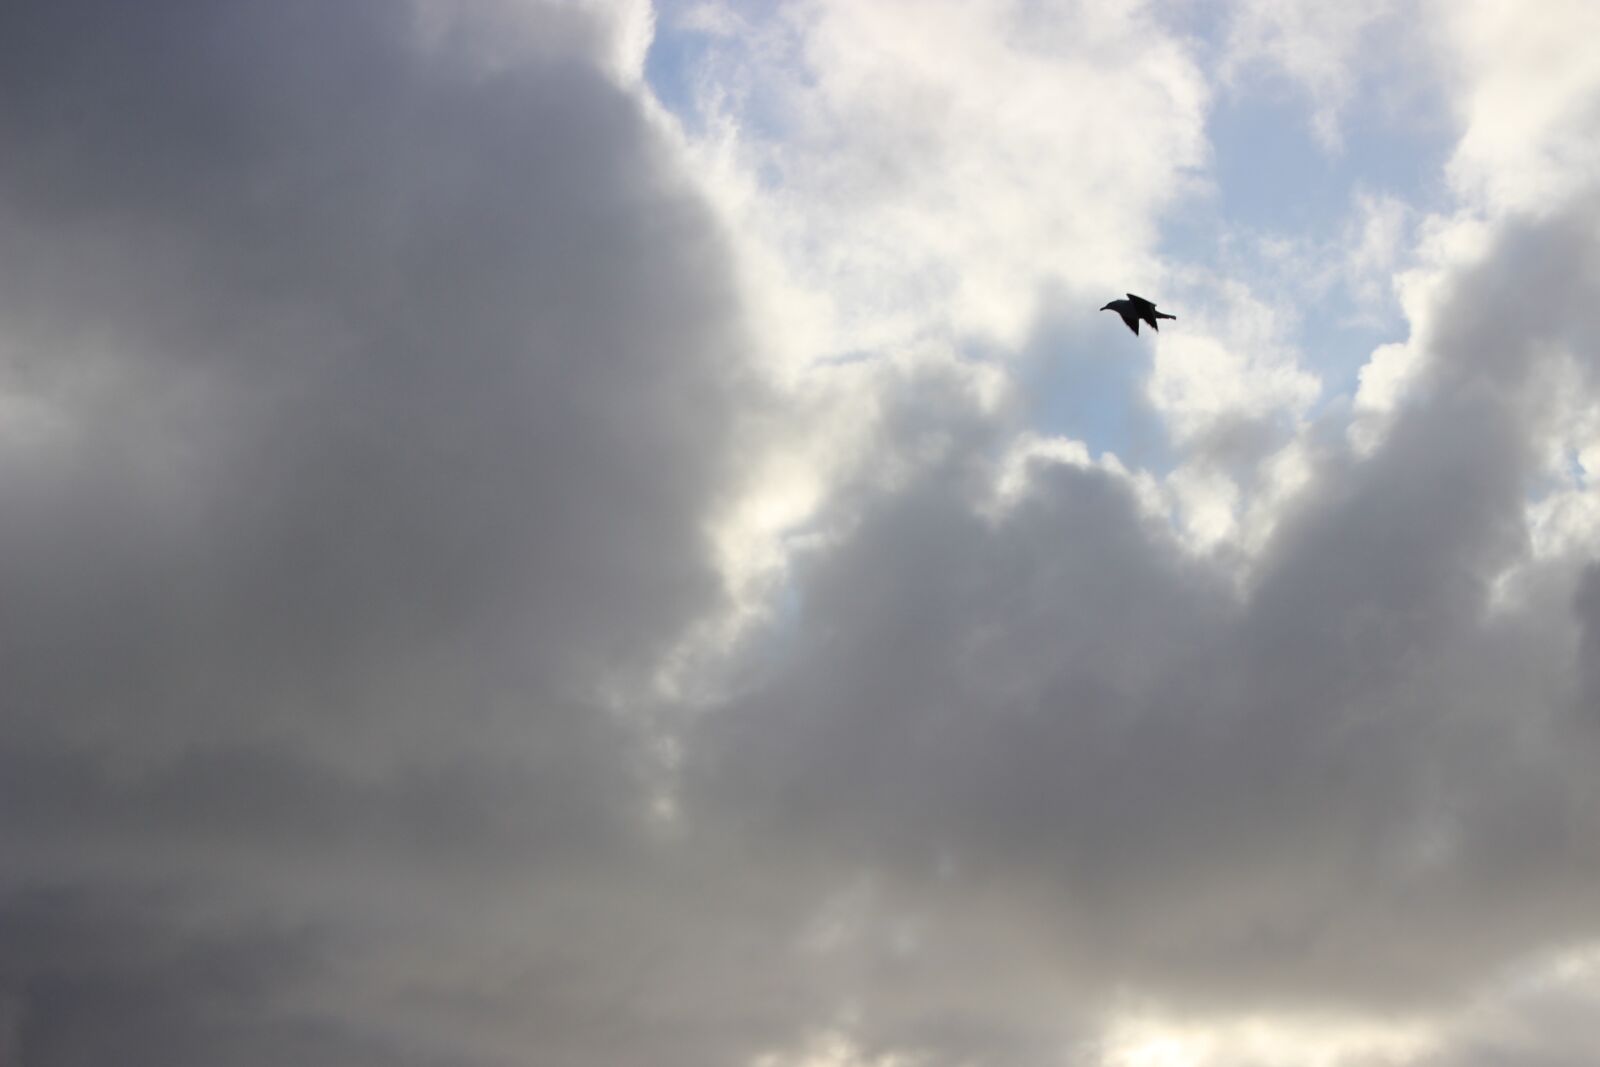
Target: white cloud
{"type": "Point", "coordinates": [1524, 89]}
{"type": "Point", "coordinates": [1375, 244]}
{"type": "Point", "coordinates": [1317, 45]}
{"type": "Point", "coordinates": [1228, 365]}
{"type": "Point", "coordinates": [1139, 1040]}
{"type": "Point", "coordinates": [925, 174]}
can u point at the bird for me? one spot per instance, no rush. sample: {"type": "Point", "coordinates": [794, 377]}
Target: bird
{"type": "Point", "coordinates": [1135, 308]}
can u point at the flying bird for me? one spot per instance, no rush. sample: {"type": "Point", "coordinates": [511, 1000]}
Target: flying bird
{"type": "Point", "coordinates": [1135, 308]}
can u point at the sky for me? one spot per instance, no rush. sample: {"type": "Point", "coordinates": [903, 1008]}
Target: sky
{"type": "Point", "coordinates": [599, 532]}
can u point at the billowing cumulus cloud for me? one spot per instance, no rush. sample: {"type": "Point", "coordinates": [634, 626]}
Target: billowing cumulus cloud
{"type": "Point", "coordinates": [500, 567]}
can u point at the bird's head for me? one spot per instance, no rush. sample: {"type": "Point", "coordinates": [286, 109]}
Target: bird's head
{"type": "Point", "coordinates": [1108, 307]}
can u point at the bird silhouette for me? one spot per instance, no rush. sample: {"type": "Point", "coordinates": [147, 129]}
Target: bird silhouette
{"type": "Point", "coordinates": [1136, 308]}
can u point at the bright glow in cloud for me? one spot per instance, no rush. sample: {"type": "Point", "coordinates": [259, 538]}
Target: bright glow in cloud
{"type": "Point", "coordinates": [1144, 1042]}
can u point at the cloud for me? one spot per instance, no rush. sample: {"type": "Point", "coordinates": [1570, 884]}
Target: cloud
{"type": "Point", "coordinates": [323, 388]}
{"type": "Point", "coordinates": [912, 195]}
{"type": "Point", "coordinates": [1347, 785]}
{"type": "Point", "coordinates": [1522, 96]}
{"type": "Point", "coordinates": [372, 391]}
{"type": "Point", "coordinates": [1587, 606]}
{"type": "Point", "coordinates": [1317, 46]}
{"type": "Point", "coordinates": [492, 572]}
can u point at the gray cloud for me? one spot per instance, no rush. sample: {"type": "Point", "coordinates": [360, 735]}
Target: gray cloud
{"type": "Point", "coordinates": [368, 401]}
{"type": "Point", "coordinates": [366, 398]}
{"type": "Point", "coordinates": [1351, 785]}
{"type": "Point", "coordinates": [1587, 606]}
{"type": "Point", "coordinates": [101, 977]}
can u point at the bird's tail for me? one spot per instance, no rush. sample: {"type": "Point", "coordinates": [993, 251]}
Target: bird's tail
{"type": "Point", "coordinates": [1164, 315]}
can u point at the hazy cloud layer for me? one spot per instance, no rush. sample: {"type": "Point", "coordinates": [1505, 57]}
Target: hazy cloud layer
{"type": "Point", "coordinates": [456, 607]}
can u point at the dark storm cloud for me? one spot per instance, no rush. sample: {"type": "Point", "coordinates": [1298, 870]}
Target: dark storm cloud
{"type": "Point", "coordinates": [353, 351]}
{"type": "Point", "coordinates": [365, 405]}
{"type": "Point", "coordinates": [102, 979]}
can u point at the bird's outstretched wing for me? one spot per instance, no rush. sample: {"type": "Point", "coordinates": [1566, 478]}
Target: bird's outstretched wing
{"type": "Point", "coordinates": [1131, 317]}
{"type": "Point", "coordinates": [1142, 302]}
